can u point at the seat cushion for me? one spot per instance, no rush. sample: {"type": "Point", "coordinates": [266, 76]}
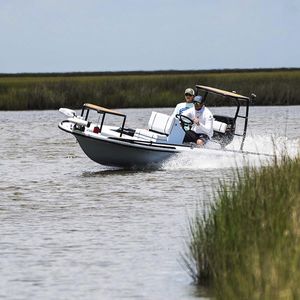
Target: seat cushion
{"type": "Point", "coordinates": [161, 123]}
{"type": "Point", "coordinates": [219, 126]}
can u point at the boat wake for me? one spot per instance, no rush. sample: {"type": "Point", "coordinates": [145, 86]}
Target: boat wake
{"type": "Point", "coordinates": [258, 151]}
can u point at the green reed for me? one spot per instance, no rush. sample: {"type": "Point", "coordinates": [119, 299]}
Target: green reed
{"type": "Point", "coordinates": [248, 245]}
{"type": "Point", "coordinates": [144, 89]}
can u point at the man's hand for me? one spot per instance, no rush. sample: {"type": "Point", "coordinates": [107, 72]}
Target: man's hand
{"type": "Point", "coordinates": [196, 121]}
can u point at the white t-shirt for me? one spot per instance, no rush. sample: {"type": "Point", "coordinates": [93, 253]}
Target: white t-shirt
{"type": "Point", "coordinates": [181, 107]}
{"type": "Point", "coordinates": [205, 118]}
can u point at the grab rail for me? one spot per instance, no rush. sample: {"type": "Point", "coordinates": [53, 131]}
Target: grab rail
{"type": "Point", "coordinates": [103, 111]}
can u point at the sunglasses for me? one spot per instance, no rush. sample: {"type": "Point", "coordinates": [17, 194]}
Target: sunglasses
{"type": "Point", "coordinates": [188, 95]}
{"type": "Point", "coordinates": [196, 102]}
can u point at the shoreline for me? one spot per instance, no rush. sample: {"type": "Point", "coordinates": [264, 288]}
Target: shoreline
{"type": "Point", "coordinates": [137, 89]}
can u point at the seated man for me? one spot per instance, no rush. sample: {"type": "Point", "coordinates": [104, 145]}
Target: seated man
{"type": "Point", "coordinates": [202, 128]}
{"type": "Point", "coordinates": [189, 95]}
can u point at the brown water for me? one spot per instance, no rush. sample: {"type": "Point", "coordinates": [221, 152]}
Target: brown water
{"type": "Point", "coordinates": [72, 229]}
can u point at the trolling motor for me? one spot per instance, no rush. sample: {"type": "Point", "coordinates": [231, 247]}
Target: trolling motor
{"type": "Point", "coordinates": [68, 112]}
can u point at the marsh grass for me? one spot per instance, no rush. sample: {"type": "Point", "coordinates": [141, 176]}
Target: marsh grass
{"type": "Point", "coordinates": [160, 89]}
{"type": "Point", "coordinates": [248, 245]}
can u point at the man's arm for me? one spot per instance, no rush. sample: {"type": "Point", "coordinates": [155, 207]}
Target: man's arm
{"type": "Point", "coordinates": [176, 110]}
{"type": "Point", "coordinates": [207, 124]}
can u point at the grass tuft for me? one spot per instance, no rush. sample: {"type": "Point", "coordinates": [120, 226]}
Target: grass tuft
{"type": "Point", "coordinates": [248, 245]}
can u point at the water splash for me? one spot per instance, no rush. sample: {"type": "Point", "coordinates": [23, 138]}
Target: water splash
{"type": "Point", "coordinates": [269, 145]}
{"type": "Point", "coordinates": [259, 150]}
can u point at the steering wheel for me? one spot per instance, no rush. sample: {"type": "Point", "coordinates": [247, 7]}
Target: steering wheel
{"type": "Point", "coordinates": [185, 122]}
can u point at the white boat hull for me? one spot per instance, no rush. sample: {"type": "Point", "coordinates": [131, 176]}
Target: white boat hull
{"type": "Point", "coordinates": [122, 154]}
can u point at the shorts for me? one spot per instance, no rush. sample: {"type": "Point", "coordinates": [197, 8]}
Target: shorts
{"type": "Point", "coordinates": [192, 136]}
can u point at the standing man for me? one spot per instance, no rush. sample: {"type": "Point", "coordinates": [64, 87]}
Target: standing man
{"type": "Point", "coordinates": [189, 95]}
{"type": "Point", "coordinates": [202, 128]}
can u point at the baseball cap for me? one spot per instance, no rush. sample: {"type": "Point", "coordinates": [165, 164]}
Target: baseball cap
{"type": "Point", "coordinates": [189, 91]}
{"type": "Point", "coordinates": [198, 99]}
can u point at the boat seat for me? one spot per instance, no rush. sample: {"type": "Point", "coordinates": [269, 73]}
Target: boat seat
{"type": "Point", "coordinates": [161, 123]}
{"type": "Point", "coordinates": [161, 128]}
{"type": "Point", "coordinates": [219, 126]}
